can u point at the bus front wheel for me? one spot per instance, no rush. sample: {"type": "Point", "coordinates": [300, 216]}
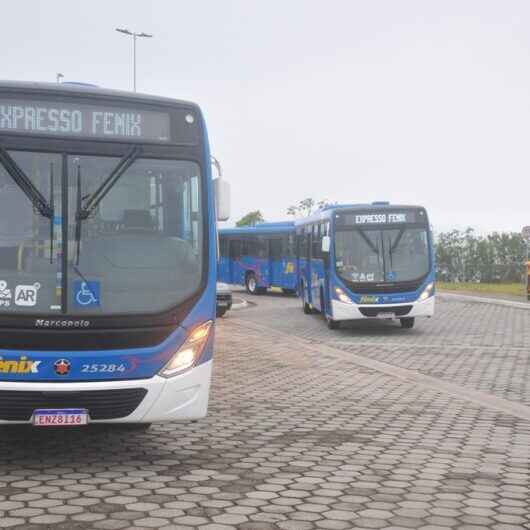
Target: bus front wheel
{"type": "Point", "coordinates": [407, 323]}
{"type": "Point", "coordinates": [251, 284]}
{"type": "Point", "coordinates": [306, 308]}
{"type": "Point", "coordinates": [332, 324]}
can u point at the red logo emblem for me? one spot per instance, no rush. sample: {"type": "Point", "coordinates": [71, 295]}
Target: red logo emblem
{"type": "Point", "coordinates": [62, 367]}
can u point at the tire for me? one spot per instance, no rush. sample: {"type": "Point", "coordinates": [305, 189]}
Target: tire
{"type": "Point", "coordinates": [306, 308]}
{"type": "Point", "coordinates": [251, 284]}
{"type": "Point", "coordinates": [332, 324]}
{"type": "Point", "coordinates": [220, 313]}
{"type": "Point", "coordinates": [407, 323]}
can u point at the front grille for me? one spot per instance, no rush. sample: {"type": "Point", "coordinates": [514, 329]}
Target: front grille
{"type": "Point", "coordinates": [224, 297]}
{"type": "Point", "coordinates": [398, 310]}
{"type": "Point", "coordinates": [380, 288]}
{"type": "Point", "coordinates": [18, 405]}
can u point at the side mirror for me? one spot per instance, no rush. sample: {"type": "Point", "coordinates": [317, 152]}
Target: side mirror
{"type": "Point", "coordinates": [326, 244]}
{"type": "Point", "coordinates": [222, 199]}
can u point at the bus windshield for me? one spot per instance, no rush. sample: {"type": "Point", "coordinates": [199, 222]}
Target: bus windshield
{"type": "Point", "coordinates": [139, 251]}
{"type": "Point", "coordinates": [381, 255]}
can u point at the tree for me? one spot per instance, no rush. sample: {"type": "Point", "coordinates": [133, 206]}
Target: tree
{"type": "Point", "coordinates": [466, 257]}
{"type": "Point", "coordinates": [306, 207]}
{"type": "Point", "coordinates": [251, 219]}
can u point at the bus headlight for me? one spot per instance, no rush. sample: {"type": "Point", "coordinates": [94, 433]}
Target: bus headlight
{"type": "Point", "coordinates": [189, 352]}
{"type": "Point", "coordinates": [427, 292]}
{"type": "Point", "coordinates": [342, 296]}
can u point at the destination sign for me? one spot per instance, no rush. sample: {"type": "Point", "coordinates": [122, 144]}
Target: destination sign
{"type": "Point", "coordinates": [381, 218]}
{"type": "Point", "coordinates": [83, 120]}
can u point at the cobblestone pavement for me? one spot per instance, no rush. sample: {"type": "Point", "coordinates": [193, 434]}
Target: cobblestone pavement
{"type": "Point", "coordinates": [308, 429]}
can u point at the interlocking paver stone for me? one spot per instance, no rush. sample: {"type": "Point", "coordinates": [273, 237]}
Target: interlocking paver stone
{"type": "Point", "coordinates": [303, 436]}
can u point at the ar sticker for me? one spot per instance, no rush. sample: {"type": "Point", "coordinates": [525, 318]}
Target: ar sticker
{"type": "Point", "coordinates": [26, 295]}
{"type": "Point", "coordinates": [87, 294]}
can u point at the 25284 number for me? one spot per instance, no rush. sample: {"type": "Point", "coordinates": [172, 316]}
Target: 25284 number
{"type": "Point", "coordinates": [102, 368]}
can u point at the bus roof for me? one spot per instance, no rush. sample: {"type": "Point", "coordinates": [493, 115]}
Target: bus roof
{"type": "Point", "coordinates": [79, 89]}
{"type": "Point", "coordinates": [328, 211]}
{"type": "Point", "coordinates": [284, 227]}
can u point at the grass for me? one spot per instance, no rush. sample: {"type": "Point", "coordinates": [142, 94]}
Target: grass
{"type": "Point", "coordinates": [497, 289]}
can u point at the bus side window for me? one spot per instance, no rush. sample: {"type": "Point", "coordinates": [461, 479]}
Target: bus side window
{"type": "Point", "coordinates": [262, 248]}
{"type": "Point", "coordinates": [235, 249]}
{"type": "Point", "coordinates": [245, 247]}
{"type": "Point", "coordinates": [316, 242]}
{"type": "Point", "coordinates": [303, 243]}
{"type": "Point", "coordinates": [290, 246]}
{"type": "Point", "coordinates": [224, 247]}
{"type": "Point", "coordinates": [276, 249]}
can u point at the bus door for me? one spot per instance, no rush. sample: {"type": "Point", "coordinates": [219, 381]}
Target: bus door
{"type": "Point", "coordinates": [326, 260]}
{"type": "Point", "coordinates": [290, 266]}
{"type": "Point", "coordinates": [303, 261]}
{"type": "Point", "coordinates": [276, 262]}
{"type": "Point", "coordinates": [258, 260]}
{"type": "Point", "coordinates": [317, 266]}
{"type": "Point", "coordinates": [235, 273]}
{"type": "Point", "coordinates": [223, 271]}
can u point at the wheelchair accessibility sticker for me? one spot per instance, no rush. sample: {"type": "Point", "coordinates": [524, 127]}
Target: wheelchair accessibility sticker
{"type": "Point", "coordinates": [87, 294]}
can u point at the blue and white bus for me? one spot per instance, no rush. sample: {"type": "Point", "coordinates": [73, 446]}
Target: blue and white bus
{"type": "Point", "coordinates": [107, 256]}
{"type": "Point", "coordinates": [367, 261]}
{"type": "Point", "coordinates": [259, 257]}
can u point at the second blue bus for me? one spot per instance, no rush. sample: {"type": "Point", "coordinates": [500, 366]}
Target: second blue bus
{"type": "Point", "coordinates": [367, 261]}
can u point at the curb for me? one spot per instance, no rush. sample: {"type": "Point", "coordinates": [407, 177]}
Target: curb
{"type": "Point", "coordinates": [484, 300]}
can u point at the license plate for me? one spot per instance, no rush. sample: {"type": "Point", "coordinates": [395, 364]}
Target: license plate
{"type": "Point", "coordinates": [60, 417]}
{"type": "Point", "coordinates": [222, 304]}
{"type": "Point", "coordinates": [386, 316]}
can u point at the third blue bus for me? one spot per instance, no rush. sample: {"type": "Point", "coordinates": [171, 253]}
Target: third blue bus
{"type": "Point", "coordinates": [259, 257]}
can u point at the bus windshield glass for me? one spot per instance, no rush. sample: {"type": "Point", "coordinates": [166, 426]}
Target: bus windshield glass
{"type": "Point", "coordinates": [383, 254]}
{"type": "Point", "coordinates": [139, 250]}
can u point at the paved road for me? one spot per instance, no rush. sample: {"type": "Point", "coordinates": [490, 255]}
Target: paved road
{"type": "Point", "coordinates": [366, 427]}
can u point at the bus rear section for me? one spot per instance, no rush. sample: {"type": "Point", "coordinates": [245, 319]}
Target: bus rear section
{"type": "Point", "coordinates": [107, 257]}
{"type": "Point", "coordinates": [259, 257]}
{"type": "Point", "coordinates": [368, 262]}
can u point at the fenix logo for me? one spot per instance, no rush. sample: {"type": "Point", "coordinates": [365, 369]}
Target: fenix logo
{"type": "Point", "coordinates": [19, 366]}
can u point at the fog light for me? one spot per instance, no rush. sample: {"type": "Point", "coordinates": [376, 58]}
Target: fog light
{"type": "Point", "coordinates": [342, 296]}
{"type": "Point", "coordinates": [427, 292]}
{"type": "Point", "coordinates": [189, 352]}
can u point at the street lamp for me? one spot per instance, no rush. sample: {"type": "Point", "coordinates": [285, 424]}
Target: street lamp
{"type": "Point", "coordinates": [134, 35]}
{"type": "Point", "coordinates": [59, 77]}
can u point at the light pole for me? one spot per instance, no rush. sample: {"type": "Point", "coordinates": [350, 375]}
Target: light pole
{"type": "Point", "coordinates": [134, 35]}
{"type": "Point", "coordinates": [59, 77]}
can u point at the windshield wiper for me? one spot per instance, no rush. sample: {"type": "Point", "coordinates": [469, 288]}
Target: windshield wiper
{"type": "Point", "coordinates": [93, 200]}
{"type": "Point", "coordinates": [398, 239]}
{"type": "Point", "coordinates": [369, 242]}
{"type": "Point", "coordinates": [24, 183]}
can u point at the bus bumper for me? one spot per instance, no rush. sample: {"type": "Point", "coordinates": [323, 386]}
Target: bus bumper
{"type": "Point", "coordinates": [183, 397]}
{"type": "Point", "coordinates": [342, 311]}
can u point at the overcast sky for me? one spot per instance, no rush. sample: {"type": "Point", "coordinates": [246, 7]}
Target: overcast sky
{"type": "Point", "coordinates": [422, 102]}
